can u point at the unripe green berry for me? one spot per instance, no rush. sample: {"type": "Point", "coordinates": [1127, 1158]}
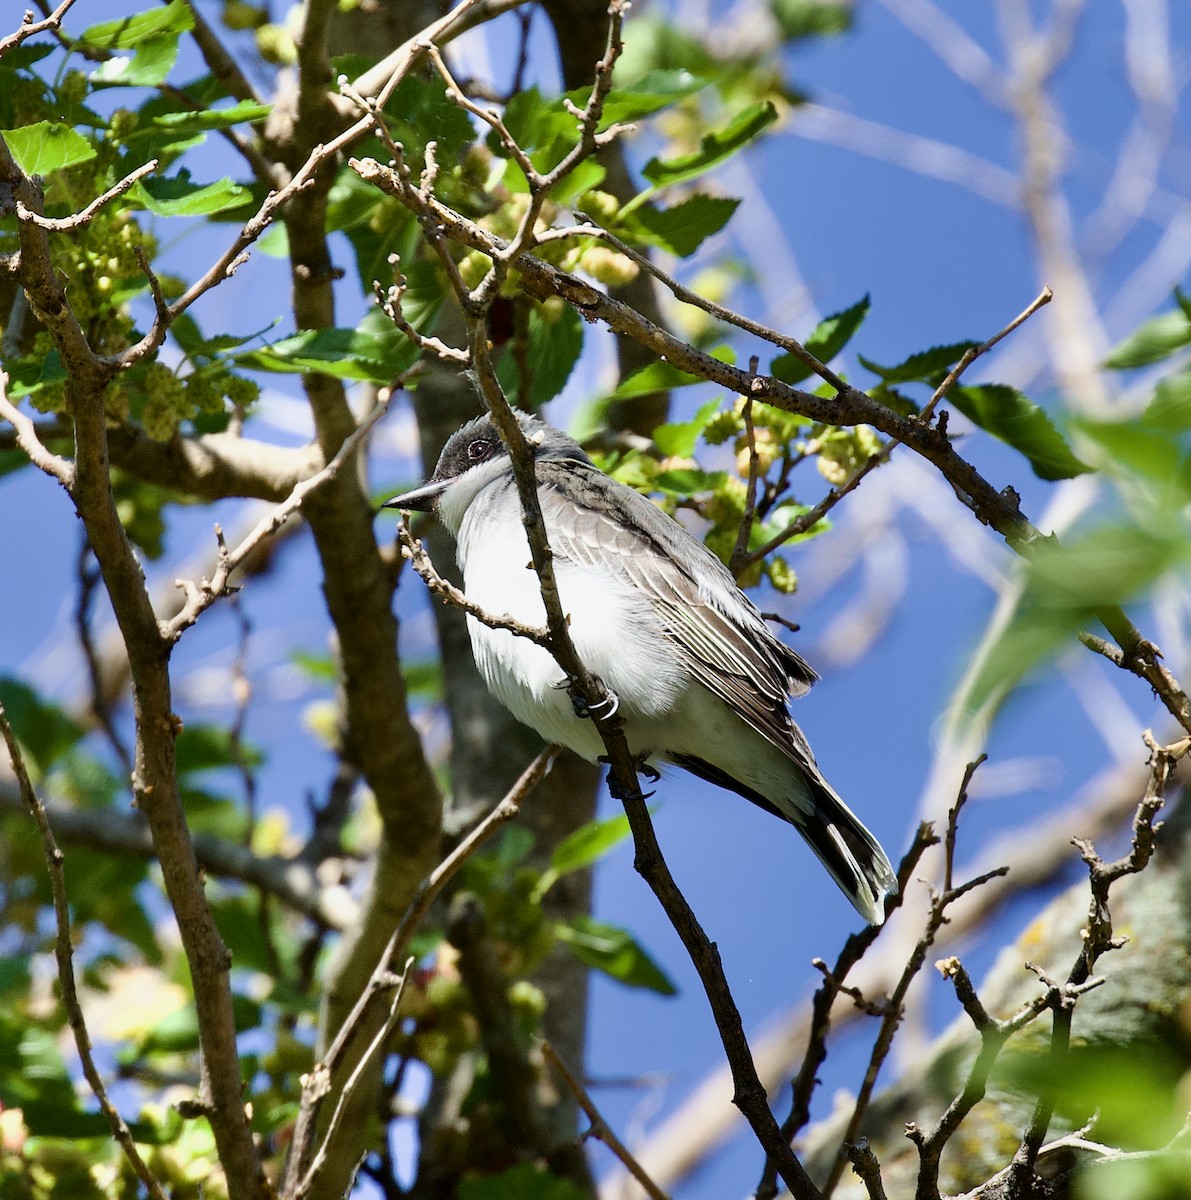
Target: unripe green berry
{"type": "Point", "coordinates": [781, 575]}
{"type": "Point", "coordinates": [159, 419]}
{"type": "Point", "coordinates": [243, 393]}
{"type": "Point", "coordinates": [721, 427]}
{"type": "Point", "coordinates": [609, 267]}
{"type": "Point", "coordinates": [74, 87]}
{"type": "Point", "coordinates": [50, 397]}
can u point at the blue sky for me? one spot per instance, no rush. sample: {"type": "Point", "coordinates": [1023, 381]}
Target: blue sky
{"type": "Point", "coordinates": [941, 264]}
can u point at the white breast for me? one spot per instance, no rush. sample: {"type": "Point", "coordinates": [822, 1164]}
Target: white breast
{"type": "Point", "coordinates": [613, 627]}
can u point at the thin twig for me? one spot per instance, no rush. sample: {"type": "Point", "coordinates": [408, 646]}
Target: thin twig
{"type": "Point", "coordinates": [1098, 939]}
{"type": "Point", "coordinates": [396, 982]}
{"type": "Point", "coordinates": [200, 596]}
{"type": "Point", "coordinates": [718, 311]}
{"type": "Point", "coordinates": [64, 954]}
{"type": "Point", "coordinates": [854, 949]}
{"type": "Point", "coordinates": [599, 1127]}
{"type": "Point", "coordinates": [389, 299]}
{"type": "Point", "coordinates": [974, 352]}
{"type": "Point", "coordinates": [936, 919]}
{"type": "Point", "coordinates": [415, 553]}
{"type": "Point", "coordinates": [29, 28]}
{"type": "Point", "coordinates": [85, 215]}
{"type": "Point", "coordinates": [54, 465]}
{"type": "Point", "coordinates": [317, 1083]}
{"type": "Point", "coordinates": [740, 551]}
{"type": "Point", "coordinates": [868, 1169]}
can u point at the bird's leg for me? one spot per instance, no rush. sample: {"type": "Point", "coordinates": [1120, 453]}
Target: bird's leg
{"type": "Point", "coordinates": [583, 710]}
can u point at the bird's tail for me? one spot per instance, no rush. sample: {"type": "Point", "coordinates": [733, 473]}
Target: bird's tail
{"type": "Point", "coordinates": [852, 856]}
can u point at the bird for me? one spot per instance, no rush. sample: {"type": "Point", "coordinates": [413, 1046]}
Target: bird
{"type": "Point", "coordinates": [699, 679]}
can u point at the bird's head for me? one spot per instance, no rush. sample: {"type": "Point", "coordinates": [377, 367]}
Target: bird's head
{"type": "Point", "coordinates": [472, 458]}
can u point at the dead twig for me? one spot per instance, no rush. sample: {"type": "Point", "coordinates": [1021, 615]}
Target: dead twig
{"type": "Point", "coordinates": [600, 1128]}
{"type": "Point", "coordinates": [85, 215]}
{"type": "Point", "coordinates": [941, 900]}
{"type": "Point", "coordinates": [1098, 939]}
{"type": "Point", "coordinates": [854, 949]}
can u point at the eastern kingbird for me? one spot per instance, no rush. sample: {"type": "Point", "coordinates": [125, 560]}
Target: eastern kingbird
{"type": "Point", "coordinates": [701, 680]}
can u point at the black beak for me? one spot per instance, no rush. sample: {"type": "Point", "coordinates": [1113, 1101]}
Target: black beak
{"type": "Point", "coordinates": [421, 499]}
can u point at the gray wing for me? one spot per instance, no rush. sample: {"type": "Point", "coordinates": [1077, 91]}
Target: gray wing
{"type": "Point", "coordinates": [723, 639]}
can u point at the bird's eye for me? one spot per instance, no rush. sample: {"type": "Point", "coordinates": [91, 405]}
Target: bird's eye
{"type": "Point", "coordinates": [479, 450]}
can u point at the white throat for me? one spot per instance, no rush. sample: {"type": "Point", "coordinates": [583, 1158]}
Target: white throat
{"type": "Point", "coordinates": [457, 499]}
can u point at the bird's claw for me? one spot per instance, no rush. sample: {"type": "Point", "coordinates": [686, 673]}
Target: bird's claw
{"type": "Point", "coordinates": [641, 766]}
{"type": "Point", "coordinates": [584, 710]}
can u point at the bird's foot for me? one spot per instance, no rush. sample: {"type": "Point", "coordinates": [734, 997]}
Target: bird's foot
{"type": "Point", "coordinates": [641, 765]}
{"type": "Point", "coordinates": [608, 707]}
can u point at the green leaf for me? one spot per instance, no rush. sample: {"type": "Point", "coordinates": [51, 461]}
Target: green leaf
{"type": "Point", "coordinates": [322, 668]}
{"type": "Point", "coordinates": [799, 19]}
{"type": "Point", "coordinates": [588, 844]}
{"type": "Point", "coordinates": [535, 123]}
{"type": "Point", "coordinates": [44, 731]}
{"type": "Point", "coordinates": [553, 350]}
{"type": "Point", "coordinates": [1064, 587]}
{"type": "Point", "coordinates": [677, 439]}
{"type": "Point", "coordinates": [653, 92]}
{"type": "Point", "coordinates": [922, 367]}
{"type": "Point", "coordinates": [616, 952]}
{"type": "Point", "coordinates": [662, 376]}
{"type": "Point", "coordinates": [179, 197]}
{"type": "Point", "coordinates": [422, 678]}
{"type": "Point", "coordinates": [208, 747]}
{"type": "Point", "coordinates": [715, 148]}
{"type": "Point", "coordinates": [682, 228]}
{"type": "Point", "coordinates": [343, 353]}
{"type": "Point", "coordinates": [1170, 409]}
{"type": "Point", "coordinates": [686, 481]}
{"type": "Point", "coordinates": [1152, 341]}
{"type": "Point", "coordinates": [1139, 448]}
{"type": "Point", "coordinates": [22, 57]}
{"type": "Point", "coordinates": [1015, 419]}
{"type": "Point", "coordinates": [47, 146]}
{"type": "Point", "coordinates": [126, 33]}
{"type": "Point", "coordinates": [522, 1182]}
{"type": "Point", "coordinates": [213, 118]}
{"type": "Point", "coordinates": [152, 61]}
{"type": "Point", "coordinates": [420, 112]}
{"type": "Point", "coordinates": [178, 1033]}
{"type": "Point", "coordinates": [826, 340]}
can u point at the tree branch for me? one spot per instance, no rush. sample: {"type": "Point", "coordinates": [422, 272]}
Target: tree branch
{"type": "Point", "coordinates": [64, 954]}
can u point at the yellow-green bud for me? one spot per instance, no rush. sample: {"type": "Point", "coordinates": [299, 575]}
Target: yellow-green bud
{"type": "Point", "coordinates": [116, 401]}
{"type": "Point", "coordinates": [781, 575]}
{"type": "Point", "coordinates": [609, 267]}
{"type": "Point", "coordinates": [276, 45]}
{"type": "Point", "coordinates": [721, 427]}
{"type": "Point", "coordinates": [122, 123]}
{"type": "Point", "coordinates": [74, 87]}
{"type": "Point", "coordinates": [243, 393]}
{"type": "Point", "coordinates": [239, 15]}
{"type": "Point", "coordinates": [602, 205]}
{"type": "Point", "coordinates": [159, 418]}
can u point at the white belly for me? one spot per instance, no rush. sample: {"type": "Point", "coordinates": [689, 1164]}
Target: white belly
{"type": "Point", "coordinates": [614, 631]}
